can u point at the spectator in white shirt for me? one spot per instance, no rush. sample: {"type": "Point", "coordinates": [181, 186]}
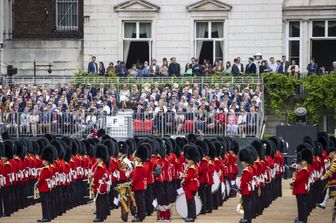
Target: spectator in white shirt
{"type": "Point", "coordinates": [272, 65]}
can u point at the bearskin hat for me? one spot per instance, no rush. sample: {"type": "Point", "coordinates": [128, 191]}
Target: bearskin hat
{"type": "Point", "coordinates": [303, 146]}
{"type": "Point", "coordinates": [20, 149]}
{"type": "Point", "coordinates": [168, 145]}
{"type": "Point", "coordinates": [204, 146]}
{"type": "Point", "coordinates": [253, 153]}
{"type": "Point", "coordinates": [212, 150]}
{"type": "Point", "coordinates": [276, 141]}
{"type": "Point", "coordinates": [110, 147]}
{"type": "Point", "coordinates": [173, 142]}
{"type": "Point", "coordinates": [235, 147]}
{"type": "Point", "coordinates": [309, 140]}
{"type": "Point", "coordinates": [331, 149]}
{"type": "Point", "coordinates": [101, 152]}
{"type": "Point", "coordinates": [59, 148]}
{"type": "Point", "coordinates": [324, 141]}
{"type": "Point", "coordinates": [268, 147]}
{"type": "Point", "coordinates": [306, 155]}
{"type": "Point", "coordinates": [101, 133]}
{"type": "Point", "coordinates": [192, 153]}
{"type": "Point", "coordinates": [1, 149]}
{"type": "Point", "coordinates": [123, 148]}
{"type": "Point", "coordinates": [104, 137]}
{"type": "Point", "coordinates": [8, 149]}
{"type": "Point", "coordinates": [317, 148]}
{"type": "Point", "coordinates": [259, 148]}
{"type": "Point", "coordinates": [142, 152]}
{"type": "Point", "coordinates": [131, 145]}
{"type": "Point", "coordinates": [218, 147]}
{"type": "Point", "coordinates": [332, 141]}
{"type": "Point", "coordinates": [68, 154]}
{"type": "Point", "coordinates": [48, 153]}
{"type": "Point", "coordinates": [245, 156]}
{"type": "Point", "coordinates": [49, 137]}
{"type": "Point", "coordinates": [180, 142]}
{"type": "Point", "coordinates": [5, 136]}
{"type": "Point", "coordinates": [191, 138]}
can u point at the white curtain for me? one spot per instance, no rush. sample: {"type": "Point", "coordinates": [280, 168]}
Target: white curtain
{"type": "Point", "coordinates": [217, 27]}
{"type": "Point", "coordinates": [129, 32]}
{"type": "Point", "coordinates": [201, 29]}
{"type": "Point", "coordinates": [146, 28]}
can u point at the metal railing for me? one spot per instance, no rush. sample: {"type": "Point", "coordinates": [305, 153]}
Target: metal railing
{"type": "Point", "coordinates": [59, 124]}
{"type": "Point", "coordinates": [244, 124]}
{"type": "Point", "coordinates": [52, 81]}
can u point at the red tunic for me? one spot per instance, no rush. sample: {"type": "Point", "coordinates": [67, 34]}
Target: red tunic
{"type": "Point", "coordinates": [232, 165]}
{"type": "Point", "coordinates": [300, 185]}
{"type": "Point", "coordinates": [245, 182]}
{"type": "Point", "coordinates": [211, 170]}
{"type": "Point", "coordinates": [7, 173]}
{"type": "Point", "coordinates": [139, 177]}
{"type": "Point", "coordinates": [150, 166]}
{"type": "Point", "coordinates": [203, 171]}
{"type": "Point", "coordinates": [45, 175]}
{"type": "Point", "coordinates": [279, 160]}
{"type": "Point", "coordinates": [190, 182]}
{"type": "Point", "coordinates": [100, 176]}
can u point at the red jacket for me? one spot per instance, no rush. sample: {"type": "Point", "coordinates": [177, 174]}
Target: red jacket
{"type": "Point", "coordinates": [203, 171]}
{"type": "Point", "coordinates": [150, 166]}
{"type": "Point", "coordinates": [300, 185]}
{"type": "Point", "coordinates": [211, 170]}
{"type": "Point", "coordinates": [279, 159]}
{"type": "Point", "coordinates": [100, 176]}
{"type": "Point", "coordinates": [245, 182]}
{"type": "Point", "coordinates": [190, 181]}
{"type": "Point", "coordinates": [7, 173]}
{"type": "Point", "coordinates": [232, 165]}
{"type": "Point", "coordinates": [114, 167]}
{"type": "Point", "coordinates": [139, 177]}
{"type": "Point", "coordinates": [45, 175]}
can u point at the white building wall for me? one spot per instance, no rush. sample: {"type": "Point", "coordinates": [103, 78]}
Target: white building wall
{"type": "Point", "coordinates": [251, 27]}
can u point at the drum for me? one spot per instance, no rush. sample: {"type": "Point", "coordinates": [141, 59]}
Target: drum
{"type": "Point", "coordinates": [181, 205]}
{"type": "Point", "coordinates": [215, 186]}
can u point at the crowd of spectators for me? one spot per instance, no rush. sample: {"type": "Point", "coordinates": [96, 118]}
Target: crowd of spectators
{"type": "Point", "coordinates": [69, 108]}
{"type": "Point", "coordinates": [205, 68]}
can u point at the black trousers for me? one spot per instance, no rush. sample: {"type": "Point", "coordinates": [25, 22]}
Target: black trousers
{"type": "Point", "coordinates": [202, 194]}
{"type": "Point", "coordinates": [102, 208]}
{"type": "Point", "coordinates": [215, 199]}
{"type": "Point", "coordinates": [209, 201]}
{"type": "Point", "coordinates": [46, 205]}
{"type": "Point", "coordinates": [140, 203]}
{"type": "Point", "coordinates": [8, 200]}
{"type": "Point", "coordinates": [302, 207]}
{"type": "Point", "coordinates": [247, 206]}
{"type": "Point", "coordinates": [149, 200]}
{"type": "Point", "coordinates": [162, 193]}
{"type": "Point", "coordinates": [191, 206]}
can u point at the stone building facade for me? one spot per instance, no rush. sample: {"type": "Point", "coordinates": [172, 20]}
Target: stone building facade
{"type": "Point", "coordinates": [115, 30]}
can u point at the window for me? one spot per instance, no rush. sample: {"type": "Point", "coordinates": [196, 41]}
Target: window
{"type": "Point", "coordinates": [209, 41]}
{"type": "Point", "coordinates": [137, 30]}
{"type": "Point", "coordinates": [332, 28]}
{"type": "Point", "coordinates": [325, 29]}
{"type": "Point", "coordinates": [293, 41]}
{"type": "Point", "coordinates": [294, 29]}
{"type": "Point", "coordinates": [67, 15]}
{"type": "Point", "coordinates": [318, 28]}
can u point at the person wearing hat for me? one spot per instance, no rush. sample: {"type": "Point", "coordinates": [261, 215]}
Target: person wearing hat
{"type": "Point", "coordinates": [232, 164]}
{"type": "Point", "coordinates": [330, 177]}
{"type": "Point", "coordinates": [300, 182]}
{"type": "Point", "coordinates": [245, 184]}
{"type": "Point", "coordinates": [8, 173]}
{"type": "Point", "coordinates": [139, 181]}
{"type": "Point", "coordinates": [43, 183]}
{"type": "Point", "coordinates": [99, 183]}
{"type": "Point", "coordinates": [190, 181]}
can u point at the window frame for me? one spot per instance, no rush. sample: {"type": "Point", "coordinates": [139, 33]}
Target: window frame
{"type": "Point", "coordinates": [289, 39]}
{"type": "Point", "coordinates": [326, 29]}
{"type": "Point", "coordinates": [66, 28]}
{"type": "Point", "coordinates": [209, 38]}
{"type": "Point", "coordinates": [137, 30]}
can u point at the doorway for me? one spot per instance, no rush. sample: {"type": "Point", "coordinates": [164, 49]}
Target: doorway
{"type": "Point", "coordinates": [138, 50]}
{"type": "Point", "coordinates": [324, 52]}
{"type": "Point", "coordinates": [206, 52]}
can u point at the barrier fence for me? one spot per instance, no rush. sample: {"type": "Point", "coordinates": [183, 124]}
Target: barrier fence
{"type": "Point", "coordinates": [243, 124]}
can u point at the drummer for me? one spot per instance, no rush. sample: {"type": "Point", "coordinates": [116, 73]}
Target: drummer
{"type": "Point", "coordinates": [190, 180]}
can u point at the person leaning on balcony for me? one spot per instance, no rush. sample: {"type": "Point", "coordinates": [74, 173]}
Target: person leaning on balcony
{"type": "Point", "coordinates": [93, 66]}
{"type": "Point", "coordinates": [110, 71]}
{"type": "Point", "coordinates": [293, 68]}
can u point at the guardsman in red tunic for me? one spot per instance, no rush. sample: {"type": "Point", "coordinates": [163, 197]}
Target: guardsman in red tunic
{"type": "Point", "coordinates": [99, 183]}
{"type": "Point", "coordinates": [190, 181]}
{"type": "Point", "coordinates": [260, 163]}
{"type": "Point", "coordinates": [151, 164]}
{"type": "Point", "coordinates": [211, 171]}
{"type": "Point", "coordinates": [300, 182]}
{"type": "Point", "coordinates": [8, 174]}
{"type": "Point", "coordinates": [203, 174]}
{"type": "Point", "coordinates": [44, 184]}
{"type": "Point", "coordinates": [139, 180]}
{"type": "Point", "coordinates": [246, 184]}
{"type": "Point", "coordinates": [231, 158]}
